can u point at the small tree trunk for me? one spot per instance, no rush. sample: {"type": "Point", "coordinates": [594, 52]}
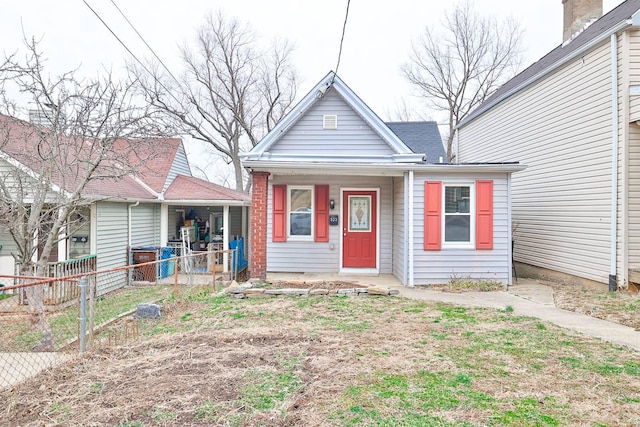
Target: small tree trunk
{"type": "Point", "coordinates": [39, 321]}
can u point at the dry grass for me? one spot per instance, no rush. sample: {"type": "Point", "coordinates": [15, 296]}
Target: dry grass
{"type": "Point", "coordinates": [323, 361]}
{"type": "Point", "coordinates": [621, 307]}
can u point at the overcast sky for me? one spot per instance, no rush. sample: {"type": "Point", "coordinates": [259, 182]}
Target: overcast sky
{"type": "Point", "coordinates": [377, 40]}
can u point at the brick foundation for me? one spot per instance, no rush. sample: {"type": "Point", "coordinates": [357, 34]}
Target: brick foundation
{"type": "Point", "coordinates": [259, 196]}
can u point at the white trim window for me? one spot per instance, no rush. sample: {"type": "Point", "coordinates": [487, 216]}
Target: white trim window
{"type": "Point", "coordinates": [300, 211]}
{"type": "Point", "coordinates": [458, 224]}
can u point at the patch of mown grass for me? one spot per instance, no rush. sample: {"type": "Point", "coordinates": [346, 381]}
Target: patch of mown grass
{"type": "Point", "coordinates": [266, 389]}
{"type": "Point", "coordinates": [409, 399]}
{"type": "Point", "coordinates": [64, 323]}
{"type": "Point", "coordinates": [528, 412]}
{"type": "Point", "coordinates": [453, 313]}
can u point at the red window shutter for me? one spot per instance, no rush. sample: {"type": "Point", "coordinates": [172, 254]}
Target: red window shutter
{"type": "Point", "coordinates": [321, 220]}
{"type": "Point", "coordinates": [432, 215]}
{"type": "Point", "coordinates": [279, 214]}
{"type": "Point", "coordinates": [484, 214]}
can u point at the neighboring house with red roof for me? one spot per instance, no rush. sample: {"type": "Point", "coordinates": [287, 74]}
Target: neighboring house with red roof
{"type": "Point", "coordinates": [144, 208]}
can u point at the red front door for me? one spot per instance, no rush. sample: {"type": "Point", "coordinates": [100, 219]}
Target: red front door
{"type": "Point", "coordinates": [359, 232]}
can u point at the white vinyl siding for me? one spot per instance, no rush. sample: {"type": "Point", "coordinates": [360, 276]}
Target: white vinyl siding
{"type": "Point", "coordinates": [634, 197]}
{"type": "Point", "coordinates": [111, 243]}
{"type": "Point", "coordinates": [399, 230]}
{"type": "Point", "coordinates": [438, 267]}
{"type": "Point", "coordinates": [632, 169]}
{"type": "Point", "coordinates": [560, 128]}
{"type": "Point", "coordinates": [352, 137]}
{"type": "Point", "coordinates": [318, 257]}
{"type": "Point", "coordinates": [145, 225]}
{"type": "Point", "coordinates": [633, 68]}
{"type": "Point", "coordinates": [180, 166]}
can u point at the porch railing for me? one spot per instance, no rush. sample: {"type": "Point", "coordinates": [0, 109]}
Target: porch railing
{"type": "Point", "coordinates": [62, 291]}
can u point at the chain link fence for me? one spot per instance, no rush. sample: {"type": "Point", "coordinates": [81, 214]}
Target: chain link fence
{"type": "Point", "coordinates": [46, 321]}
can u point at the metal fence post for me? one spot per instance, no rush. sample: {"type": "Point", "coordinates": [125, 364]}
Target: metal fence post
{"type": "Point", "coordinates": [83, 313]}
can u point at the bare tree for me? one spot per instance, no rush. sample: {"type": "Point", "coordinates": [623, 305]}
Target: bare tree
{"type": "Point", "coordinates": [456, 69]}
{"type": "Point", "coordinates": [230, 94]}
{"type": "Point", "coordinates": [89, 135]}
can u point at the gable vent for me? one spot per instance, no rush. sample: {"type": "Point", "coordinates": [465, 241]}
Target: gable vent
{"type": "Point", "coordinates": [330, 121]}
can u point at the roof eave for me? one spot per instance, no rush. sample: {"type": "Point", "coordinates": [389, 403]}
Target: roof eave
{"type": "Point", "coordinates": [204, 202]}
{"type": "Point", "coordinates": [634, 21]}
{"type": "Point", "coordinates": [338, 158]}
{"type": "Point", "coordinates": [379, 169]}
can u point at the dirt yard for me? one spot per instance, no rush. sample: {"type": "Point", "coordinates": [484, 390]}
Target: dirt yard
{"type": "Point", "coordinates": [335, 361]}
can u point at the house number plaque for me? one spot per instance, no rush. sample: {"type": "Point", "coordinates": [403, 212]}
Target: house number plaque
{"type": "Point", "coordinates": [333, 219]}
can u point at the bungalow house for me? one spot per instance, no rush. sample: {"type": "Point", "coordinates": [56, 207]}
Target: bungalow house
{"type": "Point", "coordinates": [573, 118]}
{"type": "Point", "coordinates": [146, 208]}
{"type": "Point", "coordinates": [337, 190]}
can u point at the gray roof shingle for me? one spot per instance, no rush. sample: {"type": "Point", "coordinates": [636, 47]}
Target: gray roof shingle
{"type": "Point", "coordinates": [421, 137]}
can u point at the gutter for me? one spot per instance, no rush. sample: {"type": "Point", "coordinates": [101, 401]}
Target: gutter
{"type": "Point", "coordinates": [377, 169]}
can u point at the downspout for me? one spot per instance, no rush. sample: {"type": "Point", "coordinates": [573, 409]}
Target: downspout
{"type": "Point", "coordinates": [410, 230]}
{"type": "Point", "coordinates": [510, 233]}
{"type": "Point", "coordinates": [614, 162]}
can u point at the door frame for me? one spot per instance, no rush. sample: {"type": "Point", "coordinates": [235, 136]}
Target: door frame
{"type": "Point", "coordinates": [352, 270]}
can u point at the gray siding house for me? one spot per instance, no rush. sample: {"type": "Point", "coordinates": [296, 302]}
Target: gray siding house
{"type": "Point", "coordinates": [337, 190]}
{"type": "Point", "coordinates": [145, 210]}
{"type": "Point", "coordinates": [572, 117]}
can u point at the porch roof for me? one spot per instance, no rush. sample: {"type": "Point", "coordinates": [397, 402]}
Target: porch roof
{"type": "Point", "coordinates": [191, 190]}
{"type": "Point", "coordinates": [378, 169]}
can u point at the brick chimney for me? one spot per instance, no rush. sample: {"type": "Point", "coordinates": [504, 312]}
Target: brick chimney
{"type": "Point", "coordinates": [578, 14]}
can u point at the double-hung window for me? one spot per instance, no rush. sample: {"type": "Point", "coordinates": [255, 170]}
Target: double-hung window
{"type": "Point", "coordinates": [300, 212]}
{"type": "Point", "coordinates": [458, 224]}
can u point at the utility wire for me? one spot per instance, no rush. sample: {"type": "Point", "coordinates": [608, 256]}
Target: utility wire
{"type": "Point", "coordinates": [344, 27]}
{"type": "Point", "coordinates": [134, 56]}
{"type": "Point", "coordinates": [145, 42]}
{"type": "Point", "coordinates": [114, 35]}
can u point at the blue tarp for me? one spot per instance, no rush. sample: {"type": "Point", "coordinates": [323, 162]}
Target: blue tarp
{"type": "Point", "coordinates": [241, 261]}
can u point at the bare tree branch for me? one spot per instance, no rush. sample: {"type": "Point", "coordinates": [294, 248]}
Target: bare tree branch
{"type": "Point", "coordinates": [456, 69]}
{"type": "Point", "coordinates": [93, 133]}
{"type": "Point", "coordinates": [231, 93]}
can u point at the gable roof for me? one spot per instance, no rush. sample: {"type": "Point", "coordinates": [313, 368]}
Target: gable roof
{"type": "Point", "coordinates": [332, 82]}
{"type": "Point", "coordinates": [621, 17]}
{"type": "Point", "coordinates": [421, 137]}
{"type": "Point", "coordinates": [27, 146]}
{"type": "Point", "coordinates": [184, 187]}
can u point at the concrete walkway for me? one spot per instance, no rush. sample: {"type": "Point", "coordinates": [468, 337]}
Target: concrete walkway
{"type": "Point", "coordinates": [527, 297]}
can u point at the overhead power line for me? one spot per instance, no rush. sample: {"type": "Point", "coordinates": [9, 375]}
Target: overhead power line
{"type": "Point", "coordinates": [169, 92]}
{"type": "Point", "coordinates": [145, 42]}
{"type": "Point", "coordinates": [344, 27]}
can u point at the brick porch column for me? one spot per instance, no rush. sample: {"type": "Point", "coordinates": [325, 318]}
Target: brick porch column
{"type": "Point", "coordinates": [259, 196]}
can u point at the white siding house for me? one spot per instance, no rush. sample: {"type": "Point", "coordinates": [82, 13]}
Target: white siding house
{"type": "Point", "coordinates": [336, 190]}
{"type": "Point", "coordinates": [572, 118]}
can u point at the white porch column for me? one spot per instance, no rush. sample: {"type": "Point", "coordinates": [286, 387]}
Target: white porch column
{"type": "Point", "coordinates": [226, 226]}
{"type": "Point", "coordinates": [410, 231]}
{"type": "Point", "coordinates": [164, 224]}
